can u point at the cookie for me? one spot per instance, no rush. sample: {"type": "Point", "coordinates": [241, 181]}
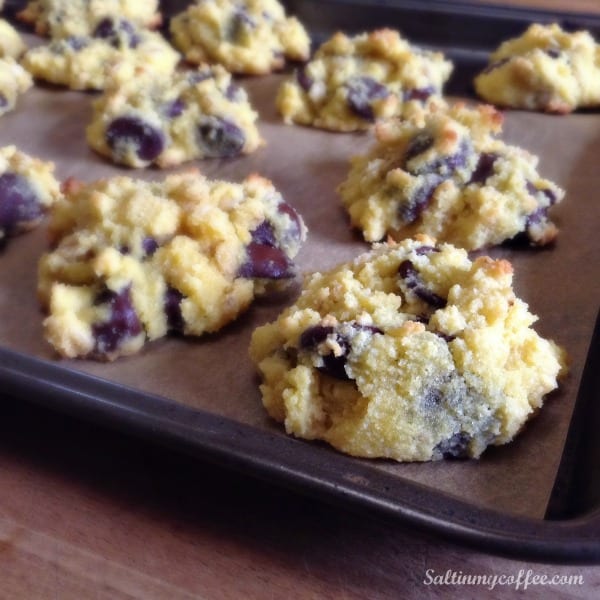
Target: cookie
{"type": "Point", "coordinates": [134, 260]}
{"type": "Point", "coordinates": [113, 54]}
{"type": "Point", "coordinates": [27, 189]}
{"type": "Point", "coordinates": [11, 43]}
{"type": "Point", "coordinates": [245, 36]}
{"type": "Point", "coordinates": [14, 81]}
{"type": "Point", "coordinates": [411, 352]}
{"type": "Point", "coordinates": [67, 18]}
{"type": "Point", "coordinates": [353, 81]}
{"type": "Point", "coordinates": [447, 176]}
{"type": "Point", "coordinates": [546, 69]}
{"type": "Point", "coordinates": [172, 119]}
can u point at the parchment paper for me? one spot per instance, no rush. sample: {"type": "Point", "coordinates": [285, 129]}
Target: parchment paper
{"type": "Point", "coordinates": [214, 373]}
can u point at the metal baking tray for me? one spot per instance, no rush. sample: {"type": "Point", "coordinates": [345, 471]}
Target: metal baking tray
{"type": "Point", "coordinates": [225, 424]}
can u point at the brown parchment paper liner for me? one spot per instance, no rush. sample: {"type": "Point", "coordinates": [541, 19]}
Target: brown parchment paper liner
{"type": "Point", "coordinates": [214, 373]}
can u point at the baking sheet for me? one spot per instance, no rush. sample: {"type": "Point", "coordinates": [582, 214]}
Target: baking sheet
{"type": "Point", "coordinates": [214, 373]}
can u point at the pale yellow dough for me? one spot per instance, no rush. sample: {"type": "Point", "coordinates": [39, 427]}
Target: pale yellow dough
{"type": "Point", "coordinates": [11, 43]}
{"type": "Point", "coordinates": [14, 81]}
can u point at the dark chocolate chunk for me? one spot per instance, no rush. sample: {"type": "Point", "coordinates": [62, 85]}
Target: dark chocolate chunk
{"type": "Point", "coordinates": [148, 141]}
{"type": "Point", "coordinates": [174, 109]}
{"type": "Point", "coordinates": [173, 298]}
{"type": "Point", "coordinates": [333, 365]}
{"type": "Point", "coordinates": [122, 323]}
{"type": "Point", "coordinates": [484, 168]}
{"type": "Point", "coordinates": [362, 92]}
{"type": "Point", "coordinates": [457, 446]}
{"type": "Point", "coordinates": [266, 262]}
{"type": "Point", "coordinates": [77, 42]}
{"type": "Point", "coordinates": [413, 282]}
{"type": "Point", "coordinates": [220, 138]}
{"type": "Point", "coordinates": [18, 203]}
{"type": "Point", "coordinates": [304, 80]}
{"type": "Point", "coordinates": [149, 245]}
{"type": "Point", "coordinates": [410, 210]}
{"type": "Point", "coordinates": [420, 94]}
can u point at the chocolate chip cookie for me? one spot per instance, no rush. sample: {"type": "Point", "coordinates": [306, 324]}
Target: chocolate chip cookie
{"type": "Point", "coordinates": [448, 176]}
{"type": "Point", "coordinates": [411, 352]}
{"type": "Point", "coordinates": [253, 37]}
{"type": "Point", "coordinates": [168, 120]}
{"type": "Point", "coordinates": [546, 69]}
{"type": "Point", "coordinates": [132, 260]}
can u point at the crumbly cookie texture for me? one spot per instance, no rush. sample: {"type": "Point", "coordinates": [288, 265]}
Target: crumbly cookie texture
{"type": "Point", "coordinates": [546, 69]}
{"type": "Point", "coordinates": [246, 36]}
{"type": "Point", "coordinates": [14, 81]}
{"type": "Point", "coordinates": [11, 43]}
{"type": "Point", "coordinates": [133, 260]}
{"type": "Point", "coordinates": [113, 54]}
{"type": "Point", "coordinates": [27, 190]}
{"type": "Point", "coordinates": [66, 18]}
{"type": "Point", "coordinates": [168, 120]}
{"type": "Point", "coordinates": [447, 176]}
{"type": "Point", "coordinates": [353, 81]}
{"type": "Point", "coordinates": [411, 352]}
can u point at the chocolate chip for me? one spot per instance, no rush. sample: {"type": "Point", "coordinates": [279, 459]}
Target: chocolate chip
{"type": "Point", "coordinates": [425, 249]}
{"type": "Point", "coordinates": [240, 24]}
{"type": "Point", "coordinates": [195, 77]}
{"type": "Point", "coordinates": [105, 29]}
{"type": "Point", "coordinates": [173, 298]}
{"type": "Point", "coordinates": [264, 234]}
{"type": "Point", "coordinates": [77, 42]}
{"type": "Point", "coordinates": [148, 141]}
{"type": "Point", "coordinates": [534, 191]}
{"type": "Point", "coordinates": [457, 446]}
{"type": "Point", "coordinates": [174, 109]}
{"type": "Point", "coordinates": [266, 262]}
{"type": "Point", "coordinates": [122, 323]}
{"type": "Point", "coordinates": [420, 94]}
{"type": "Point", "coordinates": [149, 245]}
{"type": "Point", "coordinates": [304, 80]}
{"type": "Point", "coordinates": [444, 165]}
{"type": "Point", "coordinates": [362, 92]}
{"type": "Point", "coordinates": [417, 145]}
{"type": "Point", "coordinates": [553, 52]}
{"type": "Point", "coordinates": [410, 210]}
{"type": "Point", "coordinates": [18, 202]}
{"type": "Point", "coordinates": [219, 137]}
{"type": "Point", "coordinates": [485, 167]}
{"type": "Point", "coordinates": [333, 365]}
{"type": "Point", "coordinates": [234, 93]}
{"type": "Point", "coordinates": [118, 33]}
{"type": "Point", "coordinates": [413, 282]}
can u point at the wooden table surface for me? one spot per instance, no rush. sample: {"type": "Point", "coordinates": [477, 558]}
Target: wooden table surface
{"type": "Point", "coordinates": [89, 513]}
